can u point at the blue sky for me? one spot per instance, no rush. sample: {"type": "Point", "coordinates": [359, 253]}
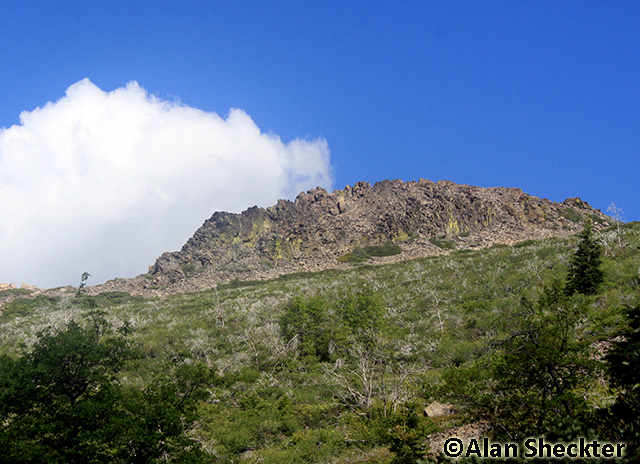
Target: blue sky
{"type": "Point", "coordinates": [544, 96]}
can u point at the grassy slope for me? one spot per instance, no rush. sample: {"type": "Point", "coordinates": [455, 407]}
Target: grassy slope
{"type": "Point", "coordinates": [272, 405]}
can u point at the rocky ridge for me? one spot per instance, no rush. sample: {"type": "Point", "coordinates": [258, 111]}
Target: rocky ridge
{"type": "Point", "coordinates": [316, 230]}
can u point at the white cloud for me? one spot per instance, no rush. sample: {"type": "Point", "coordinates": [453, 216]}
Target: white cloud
{"type": "Point", "coordinates": [105, 182]}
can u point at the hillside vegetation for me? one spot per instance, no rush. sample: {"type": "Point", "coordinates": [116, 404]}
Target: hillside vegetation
{"type": "Point", "coordinates": [337, 366]}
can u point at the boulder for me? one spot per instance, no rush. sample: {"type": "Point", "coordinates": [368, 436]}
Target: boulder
{"type": "Point", "coordinates": [436, 409]}
{"type": "Point", "coordinates": [33, 288]}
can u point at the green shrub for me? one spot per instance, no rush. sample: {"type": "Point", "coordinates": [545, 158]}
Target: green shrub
{"type": "Point", "coordinates": [444, 244]}
{"type": "Point", "coordinates": [21, 307]}
{"type": "Point", "coordinates": [358, 255]}
{"type": "Point", "coordinates": [15, 291]}
{"type": "Point", "coordinates": [308, 320]}
{"type": "Point", "coordinates": [387, 248]}
{"type": "Point", "coordinates": [362, 254]}
{"type": "Point", "coordinates": [360, 310]}
{"type": "Point", "coordinates": [571, 214]}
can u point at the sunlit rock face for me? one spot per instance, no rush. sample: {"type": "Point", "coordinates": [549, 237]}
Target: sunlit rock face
{"type": "Point", "coordinates": [318, 229]}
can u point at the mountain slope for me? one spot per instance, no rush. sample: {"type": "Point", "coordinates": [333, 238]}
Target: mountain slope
{"type": "Point", "coordinates": [271, 404]}
{"type": "Point", "coordinates": [319, 228]}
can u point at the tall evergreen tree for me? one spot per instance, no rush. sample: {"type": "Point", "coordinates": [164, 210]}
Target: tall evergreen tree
{"type": "Point", "coordinates": [584, 274]}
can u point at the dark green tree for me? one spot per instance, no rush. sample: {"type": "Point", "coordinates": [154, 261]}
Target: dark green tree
{"type": "Point", "coordinates": [531, 384]}
{"type": "Point", "coordinates": [539, 373]}
{"type": "Point", "coordinates": [584, 274]}
{"type": "Point", "coordinates": [63, 402]}
{"type": "Point", "coordinates": [623, 363]}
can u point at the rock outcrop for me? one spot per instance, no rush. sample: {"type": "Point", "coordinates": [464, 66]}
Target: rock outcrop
{"type": "Point", "coordinates": [311, 233]}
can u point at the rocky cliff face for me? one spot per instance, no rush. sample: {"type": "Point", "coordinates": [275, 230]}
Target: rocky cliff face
{"type": "Point", "coordinates": [313, 232]}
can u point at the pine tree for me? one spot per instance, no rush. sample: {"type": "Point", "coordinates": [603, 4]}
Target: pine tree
{"type": "Point", "coordinates": [584, 274]}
